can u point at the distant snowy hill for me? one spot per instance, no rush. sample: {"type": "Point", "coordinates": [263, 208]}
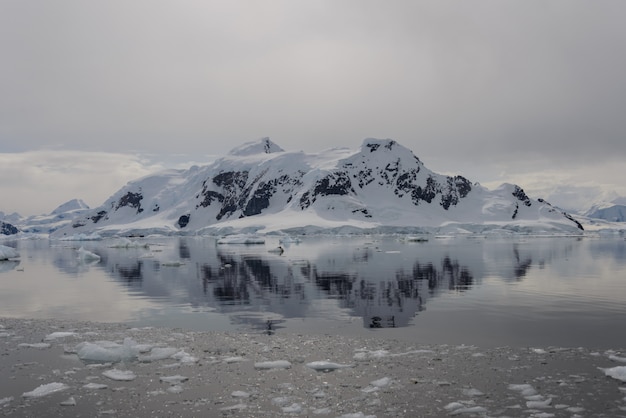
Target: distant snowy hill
{"type": "Point", "coordinates": [259, 187]}
{"type": "Point", "coordinates": [45, 224]}
{"type": "Point", "coordinates": [613, 211]}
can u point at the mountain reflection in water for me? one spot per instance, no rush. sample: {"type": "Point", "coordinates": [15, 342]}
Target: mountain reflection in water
{"type": "Point", "coordinates": [492, 290]}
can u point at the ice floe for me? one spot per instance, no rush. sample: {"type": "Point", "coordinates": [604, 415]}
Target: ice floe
{"type": "Point", "coordinates": [326, 366]}
{"type": "Point", "coordinates": [276, 364]}
{"type": "Point", "coordinates": [618, 372]}
{"type": "Point", "coordinates": [122, 375]}
{"type": "Point", "coordinates": [45, 390]}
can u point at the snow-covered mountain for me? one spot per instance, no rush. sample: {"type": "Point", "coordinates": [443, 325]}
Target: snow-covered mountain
{"type": "Point", "coordinates": [259, 187]}
{"type": "Point", "coordinates": [613, 211]}
{"type": "Point", "coordinates": [43, 224]}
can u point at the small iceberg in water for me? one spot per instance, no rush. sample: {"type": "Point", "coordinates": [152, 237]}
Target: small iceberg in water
{"type": "Point", "coordinates": [86, 255]}
{"type": "Point", "coordinates": [7, 253]}
{"type": "Point", "coordinates": [241, 239]}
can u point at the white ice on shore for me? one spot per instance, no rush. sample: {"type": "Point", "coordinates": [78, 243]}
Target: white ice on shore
{"type": "Point", "coordinates": [121, 375]}
{"type": "Point", "coordinates": [46, 389]}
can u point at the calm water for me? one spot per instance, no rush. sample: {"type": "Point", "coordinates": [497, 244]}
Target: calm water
{"type": "Point", "coordinates": [485, 291]}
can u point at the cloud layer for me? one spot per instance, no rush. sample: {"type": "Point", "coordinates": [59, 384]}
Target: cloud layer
{"type": "Point", "coordinates": [478, 84]}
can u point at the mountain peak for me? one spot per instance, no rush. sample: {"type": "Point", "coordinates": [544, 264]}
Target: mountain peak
{"type": "Point", "coordinates": [261, 146]}
{"type": "Point", "coordinates": [72, 205]}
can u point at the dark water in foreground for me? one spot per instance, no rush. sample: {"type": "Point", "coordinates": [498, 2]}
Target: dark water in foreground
{"type": "Point", "coordinates": [484, 291]}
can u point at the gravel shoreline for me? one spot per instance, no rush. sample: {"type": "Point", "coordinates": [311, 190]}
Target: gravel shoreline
{"type": "Point", "coordinates": [248, 374]}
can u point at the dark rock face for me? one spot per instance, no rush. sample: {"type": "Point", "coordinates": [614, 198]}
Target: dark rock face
{"type": "Point", "coordinates": [7, 229]}
{"type": "Point", "coordinates": [101, 214]}
{"type": "Point", "coordinates": [183, 220]}
{"type": "Point", "coordinates": [132, 200]}
{"type": "Point", "coordinates": [238, 192]}
{"type": "Point", "coordinates": [337, 183]}
{"type": "Point", "coordinates": [521, 196]}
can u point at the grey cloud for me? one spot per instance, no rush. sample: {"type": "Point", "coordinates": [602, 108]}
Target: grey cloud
{"type": "Point", "coordinates": [483, 81]}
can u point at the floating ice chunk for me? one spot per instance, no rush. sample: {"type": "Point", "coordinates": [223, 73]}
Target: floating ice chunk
{"type": "Point", "coordinates": [294, 408]}
{"type": "Point", "coordinates": [82, 237]}
{"type": "Point", "coordinates": [121, 375]}
{"type": "Point", "coordinates": [377, 384]}
{"type": "Point", "coordinates": [93, 385]}
{"type": "Point", "coordinates": [617, 358]}
{"type": "Point", "coordinates": [40, 346]}
{"type": "Point", "coordinates": [326, 366]}
{"type": "Point", "coordinates": [357, 415]}
{"type": "Point", "coordinates": [539, 404]}
{"type": "Point", "coordinates": [277, 364]}
{"type": "Point", "coordinates": [524, 389]}
{"type": "Point", "coordinates": [44, 390]}
{"type": "Point", "coordinates": [618, 372]}
{"type": "Point", "coordinates": [321, 411]}
{"type": "Point", "coordinates": [86, 255]}
{"type": "Point", "coordinates": [381, 383]}
{"type": "Point", "coordinates": [238, 407]}
{"type": "Point", "coordinates": [158, 353]}
{"type": "Point", "coordinates": [539, 351]}
{"type": "Point", "coordinates": [281, 400]}
{"type": "Point", "coordinates": [107, 351]}
{"type": "Point", "coordinates": [184, 357]}
{"type": "Point", "coordinates": [175, 389]}
{"type": "Point", "coordinates": [68, 402]}
{"type": "Point", "coordinates": [7, 253]}
{"type": "Point", "coordinates": [469, 410]}
{"type": "Point", "coordinates": [240, 394]}
{"type": "Point", "coordinates": [230, 360]}
{"type": "Point", "coordinates": [174, 379]}
{"type": "Point", "coordinates": [471, 392]}
{"type": "Point", "coordinates": [364, 355]}
{"type": "Point", "coordinates": [241, 239]}
{"type": "Point", "coordinates": [128, 243]}
{"type": "Point", "coordinates": [5, 401]}
{"type": "Point", "coordinates": [59, 334]}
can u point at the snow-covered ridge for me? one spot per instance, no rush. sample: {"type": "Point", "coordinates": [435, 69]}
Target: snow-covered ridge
{"type": "Point", "coordinates": [259, 187]}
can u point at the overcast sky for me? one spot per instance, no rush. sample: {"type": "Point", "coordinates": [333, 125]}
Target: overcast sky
{"type": "Point", "coordinates": [94, 94]}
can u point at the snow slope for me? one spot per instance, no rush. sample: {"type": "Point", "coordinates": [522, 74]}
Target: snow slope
{"type": "Point", "coordinates": [259, 187]}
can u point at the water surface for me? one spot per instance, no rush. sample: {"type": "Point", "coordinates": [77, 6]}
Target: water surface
{"type": "Point", "coordinates": [483, 291]}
